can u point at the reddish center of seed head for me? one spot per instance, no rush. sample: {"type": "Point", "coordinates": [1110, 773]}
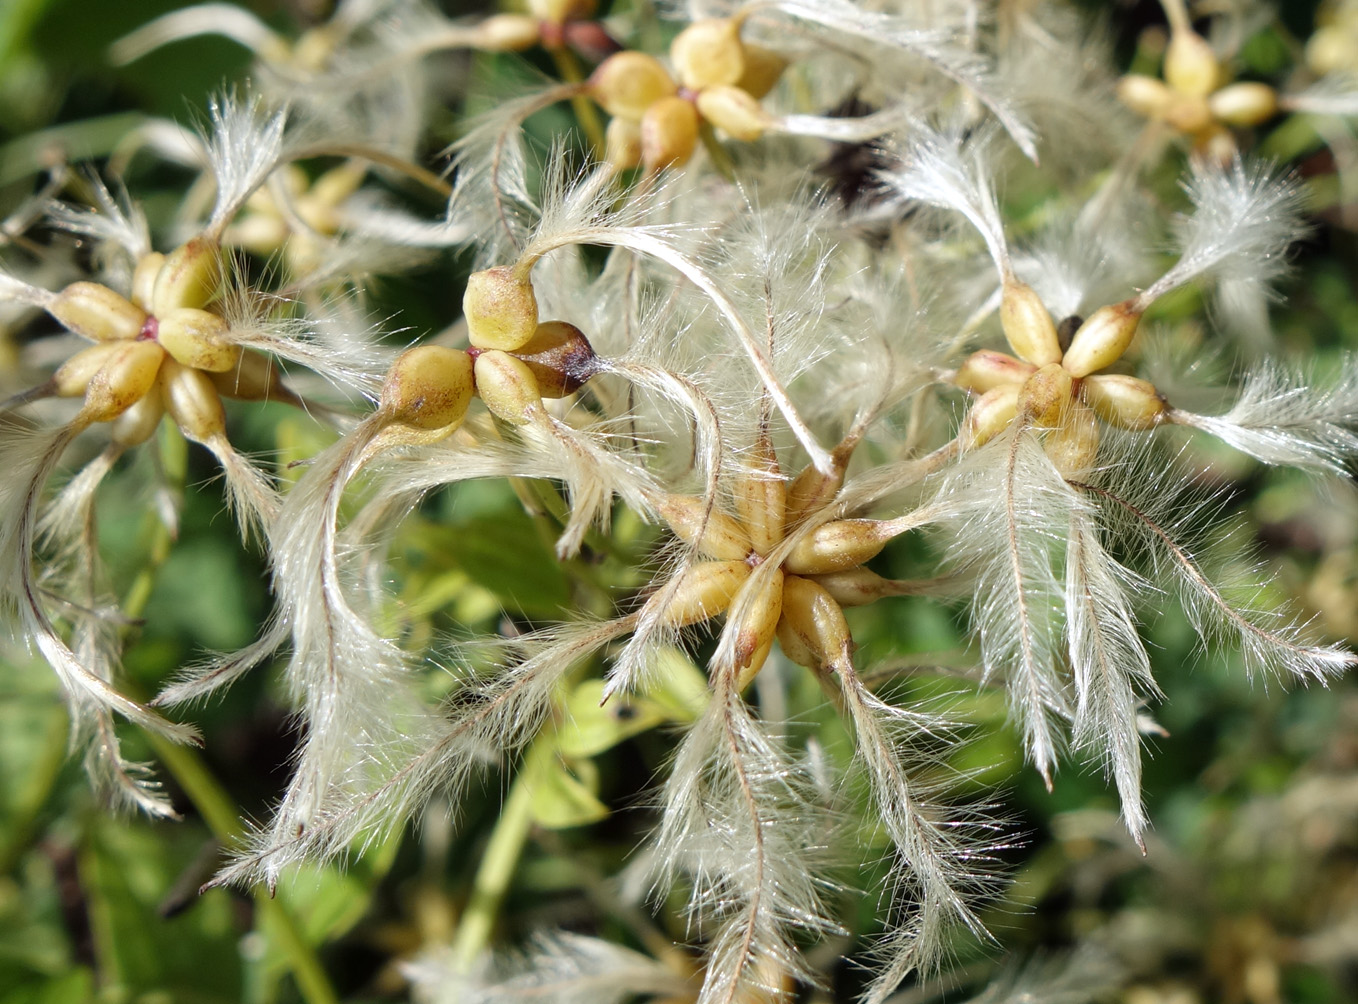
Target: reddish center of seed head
{"type": "Point", "coordinates": [552, 34]}
{"type": "Point", "coordinates": [591, 39]}
{"type": "Point", "coordinates": [150, 328]}
{"type": "Point", "coordinates": [688, 94]}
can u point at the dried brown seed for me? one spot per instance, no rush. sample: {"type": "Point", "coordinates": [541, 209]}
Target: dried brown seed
{"type": "Point", "coordinates": [125, 378]}
{"type": "Point", "coordinates": [1145, 95]}
{"type": "Point", "coordinates": [192, 402]}
{"type": "Point", "coordinates": [841, 544]}
{"type": "Point", "coordinates": [1244, 104]}
{"type": "Point", "coordinates": [1191, 67]}
{"type": "Point", "coordinates": [507, 387]}
{"type": "Point", "coordinates": [734, 112]}
{"type": "Point", "coordinates": [1045, 396]}
{"type": "Point", "coordinates": [761, 496]}
{"type": "Point", "coordinates": [507, 33]}
{"type": "Point", "coordinates": [813, 631]}
{"type": "Point", "coordinates": [705, 590]}
{"type": "Point", "coordinates": [627, 83]}
{"type": "Point", "coordinates": [255, 377]}
{"type": "Point", "coordinates": [1073, 447]}
{"type": "Point", "coordinates": [763, 69]}
{"type": "Point", "coordinates": [190, 276]}
{"type": "Point", "coordinates": [138, 423]}
{"type": "Point", "coordinates": [758, 628]}
{"type": "Point", "coordinates": [1124, 401]}
{"type": "Point", "coordinates": [708, 53]}
{"type": "Point", "coordinates": [198, 338]}
{"type": "Point", "coordinates": [669, 133]}
{"type": "Point", "coordinates": [1102, 339]}
{"type": "Point", "coordinates": [990, 415]}
{"type": "Point", "coordinates": [561, 358]}
{"type": "Point", "coordinates": [1027, 325]}
{"type": "Point", "coordinates": [74, 375]}
{"type": "Point", "coordinates": [144, 278]}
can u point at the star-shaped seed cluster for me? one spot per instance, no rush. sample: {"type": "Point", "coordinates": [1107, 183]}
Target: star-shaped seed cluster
{"type": "Point", "coordinates": [1054, 380]}
{"type": "Point", "coordinates": [801, 603]}
{"type": "Point", "coordinates": [160, 350]}
{"type": "Point", "coordinates": [1194, 98]}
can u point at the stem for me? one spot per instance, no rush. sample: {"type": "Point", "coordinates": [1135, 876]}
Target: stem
{"type": "Point", "coordinates": [1177, 15]}
{"type": "Point", "coordinates": [174, 458]}
{"type": "Point", "coordinates": [585, 112]}
{"type": "Point", "coordinates": [223, 819]}
{"type": "Point", "coordinates": [721, 160]}
{"type": "Point", "coordinates": [192, 775]}
{"type": "Point", "coordinates": [381, 158]}
{"type": "Point", "coordinates": [498, 864]}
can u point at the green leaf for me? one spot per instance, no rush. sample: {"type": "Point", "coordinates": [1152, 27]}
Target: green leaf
{"type": "Point", "coordinates": [329, 900]}
{"type": "Point", "coordinates": [503, 553]}
{"type": "Point", "coordinates": [200, 591]}
{"type": "Point", "coordinates": [680, 690]}
{"type": "Point", "coordinates": [562, 799]}
{"type": "Point", "coordinates": [75, 986]}
{"type": "Point", "coordinates": [127, 868]}
{"type": "Point", "coordinates": [588, 728]}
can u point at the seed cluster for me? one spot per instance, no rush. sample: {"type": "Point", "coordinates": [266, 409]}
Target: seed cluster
{"type": "Point", "coordinates": [159, 351]}
{"type": "Point", "coordinates": [1055, 384]}
{"type": "Point", "coordinates": [730, 306]}
{"type": "Point", "coordinates": [1195, 99]}
{"type": "Point", "coordinates": [657, 120]}
{"type": "Point", "coordinates": [801, 603]}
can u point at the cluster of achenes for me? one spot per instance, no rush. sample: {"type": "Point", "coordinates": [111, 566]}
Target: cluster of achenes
{"type": "Point", "coordinates": [742, 317]}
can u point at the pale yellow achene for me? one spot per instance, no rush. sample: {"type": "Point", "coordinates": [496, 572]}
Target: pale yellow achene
{"type": "Point", "coordinates": [793, 604]}
{"type": "Point", "coordinates": [1058, 391]}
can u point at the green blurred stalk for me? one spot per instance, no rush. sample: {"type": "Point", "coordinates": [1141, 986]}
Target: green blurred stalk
{"type": "Point", "coordinates": [223, 819]}
{"type": "Point", "coordinates": [498, 864]}
{"type": "Point", "coordinates": [186, 766]}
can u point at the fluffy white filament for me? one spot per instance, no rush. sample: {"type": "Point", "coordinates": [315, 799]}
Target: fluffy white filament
{"type": "Point", "coordinates": [1282, 417]}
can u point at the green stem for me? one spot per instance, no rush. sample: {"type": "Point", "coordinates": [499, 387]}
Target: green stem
{"type": "Point", "coordinates": [174, 458]}
{"type": "Point", "coordinates": [77, 141]}
{"type": "Point", "coordinates": [721, 160]}
{"type": "Point", "coordinates": [223, 819]}
{"type": "Point", "coordinates": [192, 774]}
{"type": "Point", "coordinates": [585, 113]}
{"type": "Point", "coordinates": [498, 864]}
